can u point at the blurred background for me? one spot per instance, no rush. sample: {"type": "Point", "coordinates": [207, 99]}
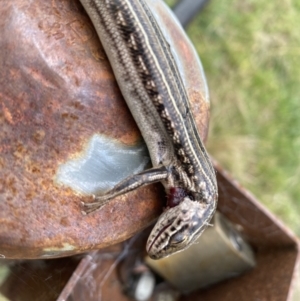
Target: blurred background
{"type": "Point", "coordinates": [250, 52]}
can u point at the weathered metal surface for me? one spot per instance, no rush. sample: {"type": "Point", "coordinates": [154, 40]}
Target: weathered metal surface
{"type": "Point", "coordinates": [261, 228]}
{"type": "Point", "coordinates": [38, 280]}
{"type": "Point", "coordinates": [275, 276]}
{"type": "Point", "coordinates": [277, 249]}
{"type": "Point", "coordinates": [97, 280]}
{"type": "Point", "coordinates": [56, 91]}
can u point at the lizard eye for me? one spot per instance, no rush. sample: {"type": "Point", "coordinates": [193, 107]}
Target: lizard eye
{"type": "Point", "coordinates": [177, 239]}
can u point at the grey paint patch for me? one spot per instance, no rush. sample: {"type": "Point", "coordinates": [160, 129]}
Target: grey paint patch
{"type": "Point", "coordinates": [103, 164]}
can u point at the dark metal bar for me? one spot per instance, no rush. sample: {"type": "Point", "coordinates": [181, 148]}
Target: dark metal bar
{"type": "Point", "coordinates": [185, 10]}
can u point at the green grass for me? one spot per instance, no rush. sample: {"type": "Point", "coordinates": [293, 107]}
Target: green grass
{"type": "Point", "coordinates": [251, 55]}
{"type": "Point", "coordinates": [171, 3]}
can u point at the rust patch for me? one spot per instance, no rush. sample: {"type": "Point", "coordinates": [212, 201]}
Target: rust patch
{"type": "Point", "coordinates": [57, 90]}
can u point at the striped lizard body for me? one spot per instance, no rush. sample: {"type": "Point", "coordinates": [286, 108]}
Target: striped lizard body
{"type": "Point", "coordinates": [150, 82]}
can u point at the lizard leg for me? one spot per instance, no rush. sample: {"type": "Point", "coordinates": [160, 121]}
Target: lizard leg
{"type": "Point", "coordinates": [146, 177]}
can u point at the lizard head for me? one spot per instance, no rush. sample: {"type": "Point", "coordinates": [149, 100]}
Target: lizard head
{"type": "Point", "coordinates": [178, 227]}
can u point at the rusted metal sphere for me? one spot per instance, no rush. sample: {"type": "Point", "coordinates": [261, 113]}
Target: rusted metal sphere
{"type": "Point", "coordinates": [57, 90]}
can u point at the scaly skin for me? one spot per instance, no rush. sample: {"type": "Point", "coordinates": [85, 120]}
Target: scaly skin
{"type": "Point", "coordinates": [153, 89]}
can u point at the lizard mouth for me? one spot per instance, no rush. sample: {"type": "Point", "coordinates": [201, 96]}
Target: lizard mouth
{"type": "Point", "coordinates": [157, 236]}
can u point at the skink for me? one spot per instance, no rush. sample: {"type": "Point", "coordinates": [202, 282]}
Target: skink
{"type": "Point", "coordinates": [150, 82]}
